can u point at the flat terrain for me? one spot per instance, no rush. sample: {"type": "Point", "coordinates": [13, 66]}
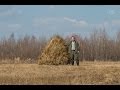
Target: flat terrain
{"type": "Point", "coordinates": [87, 73]}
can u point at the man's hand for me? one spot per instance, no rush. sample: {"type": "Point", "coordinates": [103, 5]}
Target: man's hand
{"type": "Point", "coordinates": [78, 51]}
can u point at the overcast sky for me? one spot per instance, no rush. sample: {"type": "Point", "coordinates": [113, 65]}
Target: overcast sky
{"type": "Point", "coordinates": [46, 20]}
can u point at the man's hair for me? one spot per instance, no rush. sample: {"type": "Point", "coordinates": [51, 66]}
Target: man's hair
{"type": "Point", "coordinates": [73, 37]}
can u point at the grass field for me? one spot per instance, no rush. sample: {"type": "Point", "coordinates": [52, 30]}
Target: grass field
{"type": "Point", "coordinates": [90, 73]}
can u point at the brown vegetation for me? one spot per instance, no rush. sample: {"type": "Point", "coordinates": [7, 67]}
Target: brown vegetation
{"type": "Point", "coordinates": [25, 48]}
{"type": "Point", "coordinates": [98, 47]}
{"type": "Point", "coordinates": [55, 52]}
{"type": "Point", "coordinates": [88, 73]}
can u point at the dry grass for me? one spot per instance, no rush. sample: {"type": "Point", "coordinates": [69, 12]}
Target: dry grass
{"type": "Point", "coordinates": [86, 73]}
{"type": "Point", "coordinates": [55, 52]}
{"type": "Point", "coordinates": [18, 61]}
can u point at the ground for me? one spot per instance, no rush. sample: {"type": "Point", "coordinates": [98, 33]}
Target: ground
{"type": "Point", "coordinates": [89, 73]}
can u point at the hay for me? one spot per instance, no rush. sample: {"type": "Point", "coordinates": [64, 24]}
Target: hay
{"type": "Point", "coordinates": [55, 53]}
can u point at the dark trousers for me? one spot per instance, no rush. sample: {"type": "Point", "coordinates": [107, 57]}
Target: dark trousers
{"type": "Point", "coordinates": [74, 57]}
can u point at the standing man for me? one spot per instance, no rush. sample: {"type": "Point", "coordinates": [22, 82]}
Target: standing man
{"type": "Point", "coordinates": [74, 51]}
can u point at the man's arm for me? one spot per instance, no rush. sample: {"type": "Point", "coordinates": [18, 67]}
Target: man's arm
{"type": "Point", "coordinates": [78, 47]}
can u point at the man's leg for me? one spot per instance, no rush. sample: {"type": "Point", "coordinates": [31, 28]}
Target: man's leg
{"type": "Point", "coordinates": [72, 58]}
{"type": "Point", "coordinates": [72, 62]}
{"type": "Point", "coordinates": [76, 59]}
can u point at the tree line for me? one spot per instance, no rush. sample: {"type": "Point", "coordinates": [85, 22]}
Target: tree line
{"type": "Point", "coordinates": [28, 47]}
{"type": "Point", "coordinates": [98, 47]}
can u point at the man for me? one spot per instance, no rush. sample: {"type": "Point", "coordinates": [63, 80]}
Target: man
{"type": "Point", "coordinates": [74, 51]}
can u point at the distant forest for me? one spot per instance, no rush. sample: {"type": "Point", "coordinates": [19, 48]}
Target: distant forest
{"type": "Point", "coordinates": [99, 46]}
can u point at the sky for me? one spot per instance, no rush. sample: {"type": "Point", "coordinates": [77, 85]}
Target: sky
{"type": "Point", "coordinates": [47, 20]}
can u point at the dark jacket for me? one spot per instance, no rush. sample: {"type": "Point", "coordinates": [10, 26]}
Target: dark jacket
{"type": "Point", "coordinates": [77, 48]}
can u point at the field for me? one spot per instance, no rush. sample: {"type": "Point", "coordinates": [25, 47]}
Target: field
{"type": "Point", "coordinates": [88, 73]}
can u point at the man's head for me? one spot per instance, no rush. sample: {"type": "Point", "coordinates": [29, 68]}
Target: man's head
{"type": "Point", "coordinates": [73, 38]}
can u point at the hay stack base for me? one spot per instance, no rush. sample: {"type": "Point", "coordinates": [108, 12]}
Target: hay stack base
{"type": "Point", "coordinates": [55, 53]}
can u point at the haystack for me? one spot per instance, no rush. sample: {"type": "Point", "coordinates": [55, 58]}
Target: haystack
{"type": "Point", "coordinates": [55, 52]}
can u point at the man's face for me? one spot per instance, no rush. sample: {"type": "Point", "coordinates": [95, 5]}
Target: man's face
{"type": "Point", "coordinates": [73, 39]}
